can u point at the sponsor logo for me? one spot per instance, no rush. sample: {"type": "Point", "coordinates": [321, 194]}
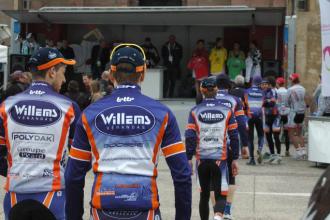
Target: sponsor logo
{"type": "Point", "coordinates": [128, 198]}
{"type": "Point", "coordinates": [22, 136]}
{"type": "Point", "coordinates": [51, 55]}
{"type": "Point", "coordinates": [126, 120]}
{"type": "Point", "coordinates": [210, 105]}
{"type": "Point", "coordinates": [255, 94]}
{"type": "Point", "coordinates": [211, 116]}
{"type": "Point", "coordinates": [107, 193]}
{"type": "Point", "coordinates": [13, 175]}
{"type": "Point", "coordinates": [31, 153]}
{"type": "Point", "coordinates": [127, 186]}
{"type": "Point", "coordinates": [211, 139]}
{"type": "Point", "coordinates": [47, 173]}
{"type": "Point", "coordinates": [36, 92]}
{"type": "Point", "coordinates": [126, 87]}
{"type": "Point", "coordinates": [122, 214]}
{"type": "Point", "coordinates": [125, 99]}
{"type": "Point", "coordinates": [115, 145]}
{"type": "Point", "coordinates": [205, 130]}
{"type": "Point", "coordinates": [35, 113]}
{"type": "Point", "coordinates": [226, 103]}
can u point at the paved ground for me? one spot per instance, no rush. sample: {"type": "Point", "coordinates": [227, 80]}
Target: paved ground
{"type": "Point", "coordinates": [264, 192]}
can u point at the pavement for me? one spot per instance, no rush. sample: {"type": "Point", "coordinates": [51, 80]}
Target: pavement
{"type": "Point", "coordinates": [264, 192]}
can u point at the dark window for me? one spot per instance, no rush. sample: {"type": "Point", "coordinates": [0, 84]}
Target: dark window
{"type": "Point", "coordinates": [302, 5]}
{"type": "Point", "coordinates": [160, 2]}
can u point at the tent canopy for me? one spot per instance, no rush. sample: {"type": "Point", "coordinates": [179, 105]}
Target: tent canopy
{"type": "Point", "coordinates": [179, 16]}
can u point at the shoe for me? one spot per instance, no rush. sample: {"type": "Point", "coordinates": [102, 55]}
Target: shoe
{"type": "Point", "coordinates": [228, 217]}
{"type": "Point", "coordinates": [251, 162]}
{"type": "Point", "coordinates": [287, 153]}
{"type": "Point", "coordinates": [259, 159]}
{"type": "Point", "coordinates": [269, 159]}
{"type": "Point", "coordinates": [277, 160]}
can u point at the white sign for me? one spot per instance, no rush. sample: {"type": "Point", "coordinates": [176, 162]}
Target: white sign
{"type": "Point", "coordinates": [325, 32]}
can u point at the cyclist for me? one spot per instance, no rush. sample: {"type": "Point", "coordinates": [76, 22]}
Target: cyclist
{"type": "Point", "coordinates": [255, 98]}
{"type": "Point", "coordinates": [271, 119]}
{"type": "Point", "coordinates": [297, 104]}
{"type": "Point", "coordinates": [283, 111]}
{"type": "Point", "coordinates": [209, 124]}
{"type": "Point", "coordinates": [224, 85]}
{"type": "Point", "coordinates": [36, 126]}
{"type": "Point", "coordinates": [120, 137]}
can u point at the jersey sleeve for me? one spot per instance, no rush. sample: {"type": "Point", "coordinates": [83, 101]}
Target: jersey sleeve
{"type": "Point", "coordinates": [78, 165]}
{"type": "Point", "coordinates": [233, 136]}
{"type": "Point", "coordinates": [240, 118]}
{"type": "Point", "coordinates": [77, 113]}
{"type": "Point", "coordinates": [175, 154]}
{"type": "Point", "coordinates": [191, 136]}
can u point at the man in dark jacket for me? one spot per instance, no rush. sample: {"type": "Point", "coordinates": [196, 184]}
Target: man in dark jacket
{"type": "Point", "coordinates": [19, 82]}
{"type": "Point", "coordinates": [172, 55]}
{"type": "Point", "coordinates": [100, 57]}
{"type": "Point", "coordinates": [151, 53]}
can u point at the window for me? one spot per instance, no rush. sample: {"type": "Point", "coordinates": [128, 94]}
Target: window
{"type": "Point", "coordinates": [302, 5]}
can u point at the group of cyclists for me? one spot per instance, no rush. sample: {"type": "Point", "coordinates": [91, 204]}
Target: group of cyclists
{"type": "Point", "coordinates": [50, 145]}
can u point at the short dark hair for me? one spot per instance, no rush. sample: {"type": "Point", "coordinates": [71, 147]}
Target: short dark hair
{"type": "Point", "coordinates": [209, 93]}
{"type": "Point", "coordinates": [271, 81]}
{"type": "Point", "coordinates": [89, 75]}
{"type": "Point", "coordinates": [200, 41]}
{"type": "Point", "coordinates": [124, 74]}
{"type": "Point", "coordinates": [218, 39]}
{"type": "Point", "coordinates": [224, 84]}
{"type": "Point", "coordinates": [42, 73]}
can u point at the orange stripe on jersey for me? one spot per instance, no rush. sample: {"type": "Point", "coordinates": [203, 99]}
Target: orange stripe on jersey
{"type": "Point", "coordinates": [173, 149]}
{"type": "Point", "coordinates": [154, 190]}
{"type": "Point", "coordinates": [197, 130]}
{"type": "Point", "coordinates": [48, 199]}
{"type": "Point", "coordinates": [191, 126]}
{"type": "Point", "coordinates": [9, 157]}
{"type": "Point", "coordinates": [151, 215]}
{"type": "Point", "coordinates": [95, 215]}
{"type": "Point", "coordinates": [224, 148]}
{"type": "Point", "coordinates": [56, 169]}
{"type": "Point", "coordinates": [232, 126]}
{"type": "Point", "coordinates": [13, 199]}
{"type": "Point", "coordinates": [96, 201]}
{"type": "Point", "coordinates": [239, 113]}
{"type": "Point", "coordinates": [91, 142]}
{"type": "Point", "coordinates": [79, 154]}
{"type": "Point", "coordinates": [70, 141]}
{"type": "Point", "coordinates": [2, 141]}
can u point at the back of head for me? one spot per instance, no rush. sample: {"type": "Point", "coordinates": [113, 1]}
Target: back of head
{"type": "Point", "coordinates": [256, 80]}
{"type": "Point", "coordinates": [209, 87]}
{"type": "Point", "coordinates": [223, 81]}
{"type": "Point", "coordinates": [239, 80]}
{"type": "Point", "coordinates": [95, 86]}
{"type": "Point", "coordinates": [73, 86]}
{"type": "Point", "coordinates": [271, 81]}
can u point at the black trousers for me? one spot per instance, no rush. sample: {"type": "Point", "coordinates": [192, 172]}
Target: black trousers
{"type": "Point", "coordinates": [255, 122]}
{"type": "Point", "coordinates": [209, 173]}
{"type": "Point", "coordinates": [171, 74]}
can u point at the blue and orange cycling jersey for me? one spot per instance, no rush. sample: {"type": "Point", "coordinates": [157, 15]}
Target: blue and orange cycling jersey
{"type": "Point", "coordinates": [37, 126]}
{"type": "Point", "coordinates": [121, 137]}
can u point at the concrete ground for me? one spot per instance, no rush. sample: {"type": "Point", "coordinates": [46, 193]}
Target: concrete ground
{"type": "Point", "coordinates": [265, 192]}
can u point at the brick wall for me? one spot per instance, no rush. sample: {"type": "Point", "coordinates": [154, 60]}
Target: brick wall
{"type": "Point", "coordinates": [308, 46]}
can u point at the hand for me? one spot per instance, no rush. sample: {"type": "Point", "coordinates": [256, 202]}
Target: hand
{"type": "Point", "coordinates": [234, 167]}
{"type": "Point", "coordinates": [191, 166]}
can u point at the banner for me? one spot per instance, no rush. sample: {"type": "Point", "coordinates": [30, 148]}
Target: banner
{"type": "Point", "coordinates": [325, 33]}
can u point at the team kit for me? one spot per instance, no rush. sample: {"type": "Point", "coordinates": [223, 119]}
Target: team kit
{"type": "Point", "coordinates": [51, 144]}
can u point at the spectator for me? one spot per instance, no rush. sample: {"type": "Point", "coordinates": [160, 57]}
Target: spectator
{"type": "Point", "coordinates": [96, 91]}
{"type": "Point", "coordinates": [237, 50]}
{"type": "Point", "coordinates": [68, 53]}
{"type": "Point", "coordinates": [105, 84]}
{"type": "Point", "coordinates": [19, 81]}
{"type": "Point", "coordinates": [151, 53]}
{"type": "Point", "coordinates": [235, 65]}
{"type": "Point", "coordinates": [87, 81]}
{"type": "Point", "coordinates": [73, 92]}
{"type": "Point", "coordinates": [256, 59]}
{"type": "Point", "coordinates": [199, 64]}
{"type": "Point", "coordinates": [100, 57]}
{"type": "Point", "coordinates": [29, 45]}
{"type": "Point", "coordinates": [172, 55]}
{"type": "Point", "coordinates": [238, 90]}
{"type": "Point", "coordinates": [218, 57]}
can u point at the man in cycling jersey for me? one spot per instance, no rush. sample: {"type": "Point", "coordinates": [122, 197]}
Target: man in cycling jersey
{"type": "Point", "coordinates": [120, 137]}
{"type": "Point", "coordinates": [209, 124]}
{"type": "Point", "coordinates": [235, 104]}
{"type": "Point", "coordinates": [297, 104]}
{"type": "Point", "coordinates": [37, 126]}
{"type": "Point", "coordinates": [284, 110]}
{"type": "Point", "coordinates": [255, 99]}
